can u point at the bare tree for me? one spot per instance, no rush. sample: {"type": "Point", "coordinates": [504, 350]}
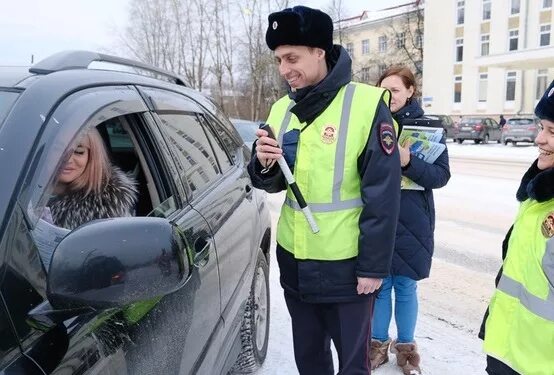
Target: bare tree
{"type": "Point", "coordinates": [337, 11]}
{"type": "Point", "coordinates": [171, 34]}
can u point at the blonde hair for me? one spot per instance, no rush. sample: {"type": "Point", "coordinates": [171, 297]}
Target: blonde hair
{"type": "Point", "coordinates": [98, 171]}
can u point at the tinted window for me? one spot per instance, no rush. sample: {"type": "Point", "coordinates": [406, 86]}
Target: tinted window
{"type": "Point", "coordinates": [7, 98]}
{"type": "Point", "coordinates": [218, 148]}
{"type": "Point", "coordinates": [520, 121]}
{"type": "Point", "coordinates": [190, 144]}
{"type": "Point", "coordinates": [7, 340]}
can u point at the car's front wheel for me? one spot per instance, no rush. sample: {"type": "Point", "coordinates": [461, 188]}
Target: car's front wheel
{"type": "Point", "coordinates": [254, 332]}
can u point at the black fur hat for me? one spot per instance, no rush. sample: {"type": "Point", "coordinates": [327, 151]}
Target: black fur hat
{"type": "Point", "coordinates": [545, 106]}
{"type": "Point", "coordinates": [300, 26]}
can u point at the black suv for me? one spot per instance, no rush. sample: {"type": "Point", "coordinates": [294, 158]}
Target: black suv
{"type": "Point", "coordinates": [179, 287]}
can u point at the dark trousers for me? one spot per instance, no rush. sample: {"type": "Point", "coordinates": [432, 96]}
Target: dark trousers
{"type": "Point", "coordinates": [314, 325]}
{"type": "Point", "coordinates": [496, 367]}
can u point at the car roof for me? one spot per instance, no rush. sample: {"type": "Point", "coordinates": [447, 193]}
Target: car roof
{"type": "Point", "coordinates": [10, 76]}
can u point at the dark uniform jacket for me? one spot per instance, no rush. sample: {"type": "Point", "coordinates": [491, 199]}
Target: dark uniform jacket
{"type": "Point", "coordinates": [336, 281]}
{"type": "Point", "coordinates": [414, 235]}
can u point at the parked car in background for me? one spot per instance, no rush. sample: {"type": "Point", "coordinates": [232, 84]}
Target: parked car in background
{"type": "Point", "coordinates": [179, 288]}
{"type": "Point", "coordinates": [247, 130]}
{"type": "Point", "coordinates": [478, 129]}
{"type": "Point", "coordinates": [520, 129]}
{"type": "Point", "coordinates": [447, 124]}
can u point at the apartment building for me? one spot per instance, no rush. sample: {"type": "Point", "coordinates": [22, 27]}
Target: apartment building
{"type": "Point", "coordinates": [378, 39]}
{"type": "Point", "coordinates": [487, 56]}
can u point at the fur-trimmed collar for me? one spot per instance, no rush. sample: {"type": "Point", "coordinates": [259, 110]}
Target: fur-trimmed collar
{"type": "Point", "coordinates": [117, 199]}
{"type": "Point", "coordinates": [536, 184]}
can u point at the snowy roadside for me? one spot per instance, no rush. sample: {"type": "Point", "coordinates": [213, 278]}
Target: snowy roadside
{"type": "Point", "coordinates": [452, 303]}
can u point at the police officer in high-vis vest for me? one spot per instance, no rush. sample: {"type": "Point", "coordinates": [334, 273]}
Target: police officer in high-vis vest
{"type": "Point", "coordinates": [339, 140]}
{"type": "Point", "coordinates": [518, 328]}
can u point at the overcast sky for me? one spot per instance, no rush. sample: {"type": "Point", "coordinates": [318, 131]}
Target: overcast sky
{"type": "Point", "coordinates": [44, 27]}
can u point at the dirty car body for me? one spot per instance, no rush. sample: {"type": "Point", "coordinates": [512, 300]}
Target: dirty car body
{"type": "Point", "coordinates": [170, 290]}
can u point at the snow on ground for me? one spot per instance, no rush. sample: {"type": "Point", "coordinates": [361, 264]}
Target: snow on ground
{"type": "Point", "coordinates": [525, 152]}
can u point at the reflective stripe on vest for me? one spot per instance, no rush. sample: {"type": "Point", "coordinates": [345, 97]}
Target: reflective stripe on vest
{"type": "Point", "coordinates": [336, 204]}
{"type": "Point", "coordinates": [538, 306]}
{"type": "Point", "coordinates": [519, 330]}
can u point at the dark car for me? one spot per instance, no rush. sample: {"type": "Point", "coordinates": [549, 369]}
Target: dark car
{"type": "Point", "coordinates": [447, 124]}
{"type": "Point", "coordinates": [478, 129]}
{"type": "Point", "coordinates": [180, 287]}
{"type": "Point", "coordinates": [520, 129]}
{"type": "Point", "coordinates": [247, 130]}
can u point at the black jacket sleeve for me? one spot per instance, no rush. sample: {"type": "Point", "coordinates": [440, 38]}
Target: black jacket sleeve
{"type": "Point", "coordinates": [429, 176]}
{"type": "Point", "coordinates": [380, 174]}
{"type": "Point", "coordinates": [273, 181]}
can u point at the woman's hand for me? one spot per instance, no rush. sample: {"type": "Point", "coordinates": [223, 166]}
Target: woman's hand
{"type": "Point", "coordinates": [267, 149]}
{"type": "Point", "coordinates": [405, 155]}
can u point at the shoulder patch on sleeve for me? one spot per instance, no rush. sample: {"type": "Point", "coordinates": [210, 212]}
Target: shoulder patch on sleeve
{"type": "Point", "coordinates": [387, 140]}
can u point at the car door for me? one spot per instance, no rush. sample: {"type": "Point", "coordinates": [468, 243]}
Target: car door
{"type": "Point", "coordinates": [213, 171]}
{"type": "Point", "coordinates": [496, 131]}
{"type": "Point", "coordinates": [68, 344]}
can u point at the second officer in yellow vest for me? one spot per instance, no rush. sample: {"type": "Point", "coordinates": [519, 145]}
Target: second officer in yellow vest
{"type": "Point", "coordinates": [339, 140]}
{"type": "Point", "coordinates": [518, 329]}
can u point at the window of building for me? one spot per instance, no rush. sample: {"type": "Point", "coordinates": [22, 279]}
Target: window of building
{"type": "Point", "coordinates": [460, 12]}
{"type": "Point", "coordinates": [483, 83]}
{"type": "Point", "coordinates": [365, 74]}
{"type": "Point", "coordinates": [400, 40]}
{"type": "Point", "coordinates": [485, 39]}
{"type": "Point", "coordinates": [418, 39]}
{"type": "Point", "coordinates": [382, 68]}
{"type": "Point", "coordinates": [365, 47]}
{"type": "Point", "coordinates": [486, 10]}
{"type": "Point", "coordinates": [459, 49]}
{"type": "Point", "coordinates": [511, 86]}
{"type": "Point", "coordinates": [544, 36]}
{"type": "Point", "coordinates": [382, 44]}
{"type": "Point", "coordinates": [547, 3]}
{"type": "Point", "coordinates": [514, 9]}
{"type": "Point", "coordinates": [542, 82]}
{"type": "Point", "coordinates": [513, 40]}
{"type": "Point", "coordinates": [457, 89]}
{"type": "Point", "coordinates": [350, 49]}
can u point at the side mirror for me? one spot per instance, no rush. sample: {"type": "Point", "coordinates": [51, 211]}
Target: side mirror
{"type": "Point", "coordinates": [114, 262]}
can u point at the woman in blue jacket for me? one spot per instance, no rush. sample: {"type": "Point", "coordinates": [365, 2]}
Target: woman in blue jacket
{"type": "Point", "coordinates": [414, 235]}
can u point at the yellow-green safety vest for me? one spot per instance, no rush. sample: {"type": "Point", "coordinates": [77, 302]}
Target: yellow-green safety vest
{"type": "Point", "coordinates": [326, 172]}
{"type": "Point", "coordinates": [520, 328]}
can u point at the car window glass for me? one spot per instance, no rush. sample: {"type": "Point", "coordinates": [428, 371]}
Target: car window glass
{"type": "Point", "coordinates": [65, 207]}
{"type": "Point", "coordinates": [193, 152]}
{"type": "Point", "coordinates": [7, 99]}
{"type": "Point", "coordinates": [7, 339]}
{"type": "Point", "coordinates": [23, 283]}
{"type": "Point", "coordinates": [217, 145]}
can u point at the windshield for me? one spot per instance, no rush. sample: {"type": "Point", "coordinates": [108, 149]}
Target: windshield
{"type": "Point", "coordinates": [520, 121]}
{"type": "Point", "coordinates": [7, 98]}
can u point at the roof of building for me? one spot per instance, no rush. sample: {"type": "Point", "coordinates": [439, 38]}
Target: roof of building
{"type": "Point", "coordinates": [371, 16]}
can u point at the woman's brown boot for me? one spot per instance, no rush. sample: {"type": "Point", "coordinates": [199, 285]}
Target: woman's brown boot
{"type": "Point", "coordinates": [407, 357]}
{"type": "Point", "coordinates": [378, 353]}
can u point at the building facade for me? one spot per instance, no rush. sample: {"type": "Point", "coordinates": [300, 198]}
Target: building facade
{"type": "Point", "coordinates": [487, 56]}
{"type": "Point", "coordinates": [376, 40]}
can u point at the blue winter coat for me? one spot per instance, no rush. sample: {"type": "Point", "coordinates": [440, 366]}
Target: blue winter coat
{"type": "Point", "coordinates": [416, 224]}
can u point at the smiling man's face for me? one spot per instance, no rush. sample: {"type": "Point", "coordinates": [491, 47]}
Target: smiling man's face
{"type": "Point", "coordinates": [301, 66]}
